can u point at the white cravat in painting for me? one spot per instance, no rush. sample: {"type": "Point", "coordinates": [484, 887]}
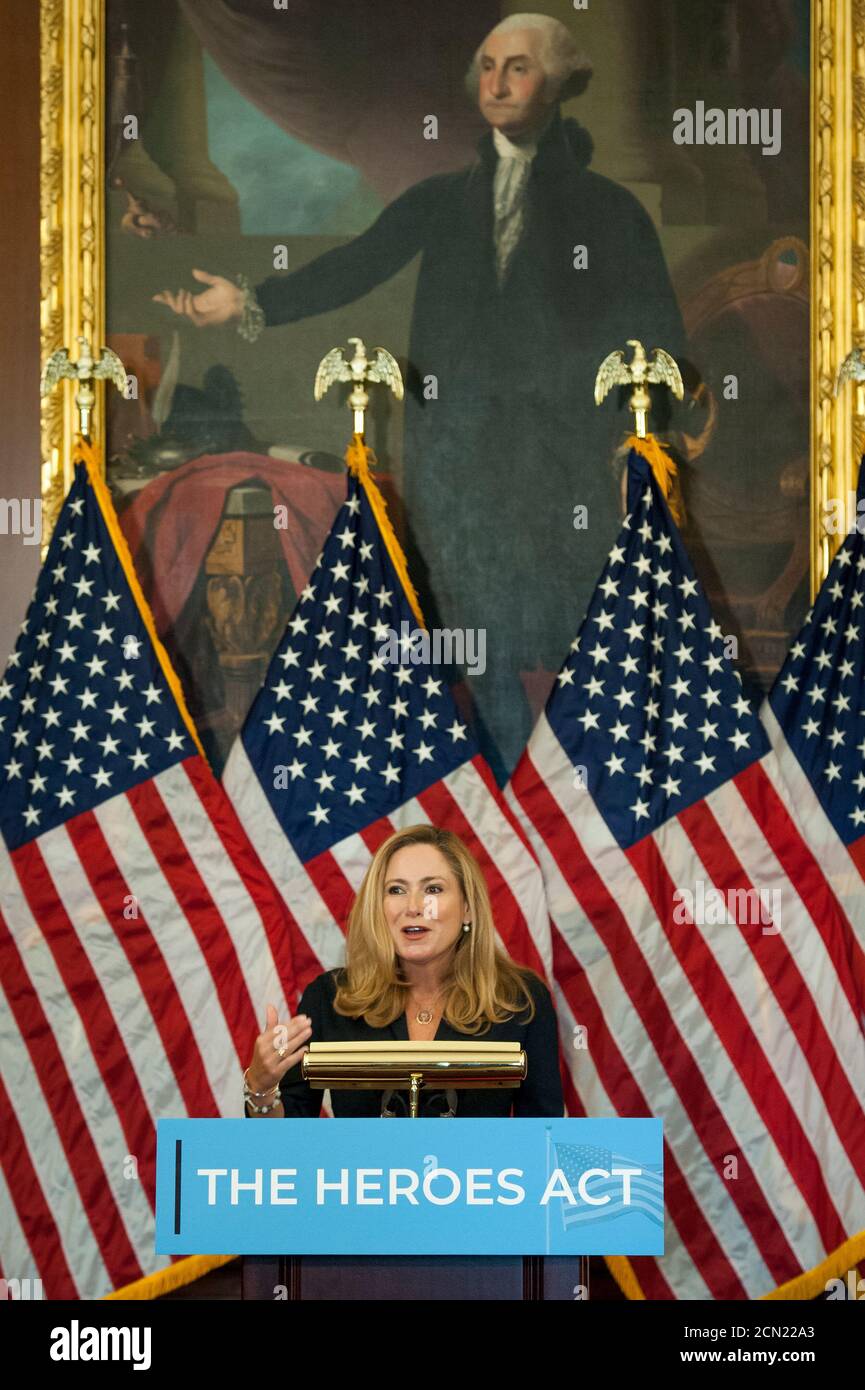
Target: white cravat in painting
{"type": "Point", "coordinates": [509, 195]}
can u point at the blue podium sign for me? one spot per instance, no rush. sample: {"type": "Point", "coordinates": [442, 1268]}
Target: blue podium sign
{"type": "Point", "coordinates": [401, 1187]}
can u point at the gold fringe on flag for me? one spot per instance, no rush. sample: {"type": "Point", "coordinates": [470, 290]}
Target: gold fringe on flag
{"type": "Point", "coordinates": [174, 1276]}
{"type": "Point", "coordinates": [813, 1282]}
{"type": "Point", "coordinates": [89, 456]}
{"type": "Point", "coordinates": [359, 458]}
{"type": "Point", "coordinates": [665, 471]}
{"type": "Point", "coordinates": [622, 1271]}
{"type": "Point", "coordinates": [809, 1284]}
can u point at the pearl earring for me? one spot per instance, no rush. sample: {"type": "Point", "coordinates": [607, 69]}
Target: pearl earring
{"type": "Point", "coordinates": [467, 926]}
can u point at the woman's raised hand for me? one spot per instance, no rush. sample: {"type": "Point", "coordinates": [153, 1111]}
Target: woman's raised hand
{"type": "Point", "coordinates": [267, 1066]}
{"type": "Point", "coordinates": [220, 303]}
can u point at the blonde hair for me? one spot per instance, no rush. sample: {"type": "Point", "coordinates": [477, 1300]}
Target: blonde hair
{"type": "Point", "coordinates": [483, 985]}
{"type": "Point", "coordinates": [568, 70]}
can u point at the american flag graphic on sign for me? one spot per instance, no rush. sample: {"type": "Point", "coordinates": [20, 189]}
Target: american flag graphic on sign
{"type": "Point", "coordinates": [645, 1188]}
{"type": "Point", "coordinates": [139, 934]}
{"type": "Point", "coordinates": [355, 734]}
{"type": "Point", "coordinates": [702, 973]}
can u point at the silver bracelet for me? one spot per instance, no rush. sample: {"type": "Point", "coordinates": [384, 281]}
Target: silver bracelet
{"type": "Point", "coordinates": [252, 315]}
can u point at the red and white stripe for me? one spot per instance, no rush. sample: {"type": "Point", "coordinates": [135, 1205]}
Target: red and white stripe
{"type": "Point", "coordinates": [840, 871]}
{"type": "Point", "coordinates": [320, 893]}
{"type": "Point", "coordinates": [748, 1044]}
{"type": "Point", "coordinates": [114, 1020]}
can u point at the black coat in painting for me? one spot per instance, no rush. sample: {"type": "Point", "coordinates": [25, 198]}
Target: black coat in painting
{"type": "Point", "coordinates": [512, 442]}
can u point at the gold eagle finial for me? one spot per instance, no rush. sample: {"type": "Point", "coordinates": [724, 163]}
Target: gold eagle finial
{"type": "Point", "coordinates": [642, 372]}
{"type": "Point", "coordinates": [358, 369]}
{"type": "Point", "coordinates": [85, 371]}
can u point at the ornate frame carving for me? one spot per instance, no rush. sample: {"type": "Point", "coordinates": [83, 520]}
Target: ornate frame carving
{"type": "Point", "coordinates": [72, 44]}
{"type": "Point", "coordinates": [73, 248]}
{"type": "Point", "coordinates": [837, 257]}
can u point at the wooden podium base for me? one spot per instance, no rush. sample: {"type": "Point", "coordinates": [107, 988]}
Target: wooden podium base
{"type": "Point", "coordinates": [386, 1278]}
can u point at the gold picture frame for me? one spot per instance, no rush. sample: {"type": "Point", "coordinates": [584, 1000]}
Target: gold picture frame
{"type": "Point", "coordinates": [73, 243]}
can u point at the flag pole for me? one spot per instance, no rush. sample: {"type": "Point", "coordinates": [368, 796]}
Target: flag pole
{"type": "Point", "coordinates": [643, 371]}
{"type": "Point", "coordinates": [359, 369]}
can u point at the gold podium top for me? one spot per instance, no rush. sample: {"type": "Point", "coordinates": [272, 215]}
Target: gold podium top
{"type": "Point", "coordinates": [393, 1065]}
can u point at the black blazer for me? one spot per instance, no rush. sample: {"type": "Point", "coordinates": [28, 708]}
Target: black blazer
{"type": "Point", "coordinates": [539, 1094]}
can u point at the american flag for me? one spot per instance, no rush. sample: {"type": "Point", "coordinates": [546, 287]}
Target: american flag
{"type": "Point", "coordinates": [646, 791]}
{"type": "Point", "coordinates": [646, 1188]}
{"type": "Point", "coordinates": [344, 745]}
{"type": "Point", "coordinates": [815, 717]}
{"type": "Point", "coordinates": [139, 935]}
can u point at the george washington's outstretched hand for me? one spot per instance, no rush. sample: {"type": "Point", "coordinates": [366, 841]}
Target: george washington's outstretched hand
{"type": "Point", "coordinates": [220, 303]}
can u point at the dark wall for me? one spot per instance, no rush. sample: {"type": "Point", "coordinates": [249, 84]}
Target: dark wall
{"type": "Point", "coordinates": [19, 299]}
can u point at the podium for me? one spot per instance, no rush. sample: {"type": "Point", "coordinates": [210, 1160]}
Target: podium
{"type": "Point", "coordinates": [389, 1066]}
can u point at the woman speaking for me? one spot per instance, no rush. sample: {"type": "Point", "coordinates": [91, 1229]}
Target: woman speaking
{"type": "Point", "coordinates": [422, 964]}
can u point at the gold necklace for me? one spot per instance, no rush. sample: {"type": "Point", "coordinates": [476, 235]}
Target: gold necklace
{"type": "Point", "coordinates": [426, 1015]}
